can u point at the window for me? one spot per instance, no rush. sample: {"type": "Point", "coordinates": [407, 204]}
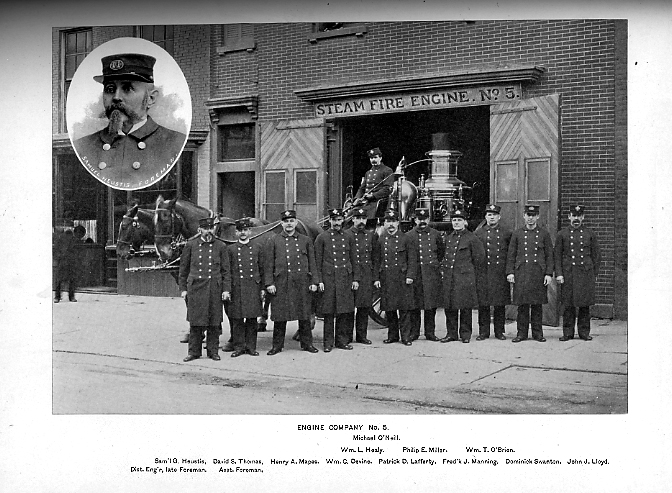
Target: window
{"type": "Point", "coordinates": [333, 29]}
{"type": "Point", "coordinates": [236, 142]}
{"type": "Point", "coordinates": [237, 37]}
{"type": "Point", "coordinates": [161, 35]}
{"type": "Point", "coordinates": [75, 45]}
{"type": "Point", "coordinates": [305, 193]}
{"type": "Point", "coordinates": [275, 194]}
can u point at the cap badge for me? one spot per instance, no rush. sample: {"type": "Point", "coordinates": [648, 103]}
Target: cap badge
{"type": "Point", "coordinates": [116, 64]}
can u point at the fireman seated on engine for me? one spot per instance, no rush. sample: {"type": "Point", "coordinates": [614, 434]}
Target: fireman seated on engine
{"type": "Point", "coordinates": [375, 188]}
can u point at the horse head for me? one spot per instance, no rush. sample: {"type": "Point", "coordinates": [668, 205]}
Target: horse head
{"type": "Point", "coordinates": [168, 226]}
{"type": "Point", "coordinates": [135, 229]}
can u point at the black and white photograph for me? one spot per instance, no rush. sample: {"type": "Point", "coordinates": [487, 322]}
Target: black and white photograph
{"type": "Point", "coordinates": [293, 252]}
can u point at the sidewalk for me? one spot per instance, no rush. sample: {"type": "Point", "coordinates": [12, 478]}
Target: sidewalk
{"type": "Point", "coordinates": [483, 376]}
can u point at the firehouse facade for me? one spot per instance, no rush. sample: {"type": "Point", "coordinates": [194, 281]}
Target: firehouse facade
{"type": "Point", "coordinates": [283, 115]}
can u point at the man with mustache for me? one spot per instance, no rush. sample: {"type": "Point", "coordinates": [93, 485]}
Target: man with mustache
{"type": "Point", "coordinates": [368, 253]}
{"type": "Point", "coordinates": [394, 274]}
{"type": "Point", "coordinates": [290, 277]}
{"type": "Point", "coordinates": [529, 267]}
{"type": "Point", "coordinates": [464, 257]}
{"type": "Point", "coordinates": [133, 147]}
{"type": "Point", "coordinates": [337, 278]}
{"type": "Point", "coordinates": [376, 186]}
{"type": "Point", "coordinates": [430, 246]}
{"type": "Point", "coordinates": [205, 281]}
{"type": "Point", "coordinates": [247, 293]}
{"type": "Point", "coordinates": [493, 288]}
{"type": "Point", "coordinates": [577, 260]}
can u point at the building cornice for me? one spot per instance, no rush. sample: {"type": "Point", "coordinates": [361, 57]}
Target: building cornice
{"type": "Point", "coordinates": [218, 105]}
{"type": "Point", "coordinates": [476, 76]}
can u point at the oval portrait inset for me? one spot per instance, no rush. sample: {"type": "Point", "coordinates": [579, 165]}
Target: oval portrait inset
{"type": "Point", "coordinates": [128, 113]}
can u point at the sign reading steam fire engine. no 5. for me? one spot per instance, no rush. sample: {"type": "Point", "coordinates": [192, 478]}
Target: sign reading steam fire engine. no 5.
{"type": "Point", "coordinates": [465, 96]}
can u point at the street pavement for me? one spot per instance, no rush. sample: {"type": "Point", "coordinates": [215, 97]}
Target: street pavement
{"type": "Point", "coordinates": [122, 355]}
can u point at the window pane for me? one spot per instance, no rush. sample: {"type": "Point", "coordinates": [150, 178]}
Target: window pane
{"type": "Point", "coordinates": [236, 142]}
{"type": "Point", "coordinates": [81, 42]}
{"type": "Point", "coordinates": [169, 32]}
{"type": "Point", "coordinates": [71, 43]}
{"type": "Point", "coordinates": [169, 46]}
{"type": "Point", "coordinates": [306, 187]}
{"type": "Point", "coordinates": [275, 188]}
{"type": "Point", "coordinates": [538, 179]}
{"type": "Point", "coordinates": [507, 182]}
{"type": "Point", "coordinates": [70, 66]}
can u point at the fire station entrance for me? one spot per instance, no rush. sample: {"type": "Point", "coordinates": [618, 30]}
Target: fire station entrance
{"type": "Point", "coordinates": [510, 156]}
{"type": "Point", "coordinates": [410, 135]}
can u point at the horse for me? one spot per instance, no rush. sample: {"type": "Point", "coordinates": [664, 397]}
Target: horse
{"type": "Point", "coordinates": [176, 221]}
{"type": "Point", "coordinates": [135, 229]}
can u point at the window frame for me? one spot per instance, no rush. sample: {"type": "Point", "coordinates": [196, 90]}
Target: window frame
{"type": "Point", "coordinates": [63, 80]}
{"type": "Point", "coordinates": [265, 202]}
{"type": "Point", "coordinates": [351, 29]}
{"type": "Point", "coordinates": [244, 41]}
{"type": "Point", "coordinates": [162, 42]}
{"type": "Point", "coordinates": [219, 134]}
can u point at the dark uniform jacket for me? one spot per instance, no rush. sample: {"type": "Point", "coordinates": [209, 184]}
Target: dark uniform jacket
{"type": "Point", "coordinates": [430, 247]}
{"type": "Point", "coordinates": [464, 257]}
{"type": "Point", "coordinates": [110, 158]}
{"type": "Point", "coordinates": [370, 180]}
{"type": "Point", "coordinates": [290, 267]}
{"type": "Point", "coordinates": [493, 288]}
{"type": "Point", "coordinates": [367, 249]}
{"type": "Point", "coordinates": [205, 273]}
{"type": "Point", "coordinates": [247, 268]}
{"type": "Point", "coordinates": [66, 255]}
{"type": "Point", "coordinates": [530, 258]}
{"type": "Point", "coordinates": [577, 258]}
{"type": "Point", "coordinates": [337, 268]}
{"type": "Point", "coordinates": [397, 261]}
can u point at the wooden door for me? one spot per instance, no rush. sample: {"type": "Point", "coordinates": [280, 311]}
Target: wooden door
{"type": "Point", "coordinates": [292, 163]}
{"type": "Point", "coordinates": [524, 164]}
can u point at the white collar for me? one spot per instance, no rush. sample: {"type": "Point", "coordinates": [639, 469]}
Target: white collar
{"type": "Point", "coordinates": [134, 127]}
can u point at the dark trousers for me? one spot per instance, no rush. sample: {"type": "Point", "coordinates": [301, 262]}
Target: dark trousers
{"type": "Point", "coordinates": [569, 318]}
{"type": "Point", "coordinates": [244, 334]}
{"type": "Point", "coordinates": [484, 320]}
{"type": "Point", "coordinates": [527, 313]}
{"type": "Point", "coordinates": [211, 341]}
{"type": "Point", "coordinates": [280, 329]}
{"type": "Point", "coordinates": [398, 324]}
{"type": "Point", "coordinates": [430, 323]}
{"type": "Point", "coordinates": [341, 330]}
{"type": "Point", "coordinates": [465, 317]}
{"type": "Point", "coordinates": [71, 288]}
{"type": "Point", "coordinates": [361, 324]}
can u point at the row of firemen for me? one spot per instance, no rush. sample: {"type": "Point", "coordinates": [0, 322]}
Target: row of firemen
{"type": "Point", "coordinates": [415, 272]}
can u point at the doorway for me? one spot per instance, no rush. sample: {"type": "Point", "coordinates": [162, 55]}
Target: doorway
{"type": "Point", "coordinates": [236, 196]}
{"type": "Point", "coordinates": [409, 135]}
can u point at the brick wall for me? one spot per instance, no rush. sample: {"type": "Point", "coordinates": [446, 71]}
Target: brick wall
{"type": "Point", "coordinates": [579, 56]}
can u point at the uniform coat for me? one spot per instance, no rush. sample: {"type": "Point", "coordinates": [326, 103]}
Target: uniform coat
{"type": "Point", "coordinates": [464, 256]}
{"type": "Point", "coordinates": [577, 258]}
{"type": "Point", "coordinates": [66, 255]}
{"type": "Point", "coordinates": [367, 249]}
{"type": "Point", "coordinates": [337, 268]}
{"type": "Point", "coordinates": [530, 258]}
{"type": "Point", "coordinates": [205, 273]}
{"type": "Point", "coordinates": [493, 288]}
{"type": "Point", "coordinates": [247, 268]}
{"type": "Point", "coordinates": [431, 248]}
{"type": "Point", "coordinates": [398, 261]}
{"type": "Point", "coordinates": [154, 147]}
{"type": "Point", "coordinates": [372, 179]}
{"type": "Point", "coordinates": [290, 267]}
